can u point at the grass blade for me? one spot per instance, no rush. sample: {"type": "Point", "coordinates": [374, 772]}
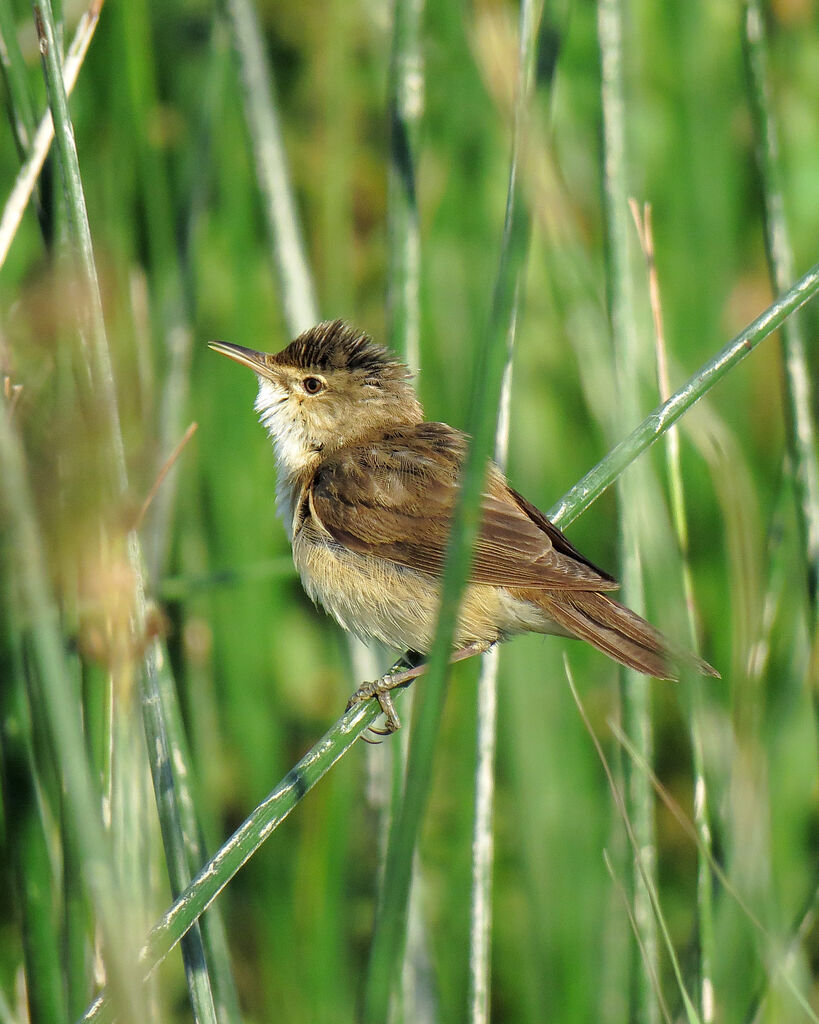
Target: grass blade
{"type": "Point", "coordinates": [405, 103]}
{"type": "Point", "coordinates": [100, 368]}
{"type": "Point", "coordinates": [26, 833]}
{"type": "Point", "coordinates": [388, 938]}
{"type": "Point", "coordinates": [19, 99]}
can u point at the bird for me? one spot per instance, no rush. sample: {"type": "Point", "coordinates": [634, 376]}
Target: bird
{"type": "Point", "coordinates": [366, 488]}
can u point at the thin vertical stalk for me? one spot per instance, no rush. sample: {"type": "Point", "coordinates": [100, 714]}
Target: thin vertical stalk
{"type": "Point", "coordinates": [290, 259]}
{"type": "Point", "coordinates": [705, 881]}
{"type": "Point", "coordinates": [801, 429]}
{"type": "Point", "coordinates": [19, 100]}
{"type": "Point", "coordinates": [635, 687]}
{"type": "Point", "coordinates": [406, 102]}
{"type": "Point", "coordinates": [389, 936]}
{"type": "Point", "coordinates": [167, 797]}
{"type": "Point", "coordinates": [214, 939]}
{"type": "Point", "coordinates": [171, 305]}
{"type": "Point", "coordinates": [75, 921]}
{"type": "Point", "coordinates": [480, 930]}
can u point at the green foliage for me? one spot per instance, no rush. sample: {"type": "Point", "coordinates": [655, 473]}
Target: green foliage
{"type": "Point", "coordinates": [182, 253]}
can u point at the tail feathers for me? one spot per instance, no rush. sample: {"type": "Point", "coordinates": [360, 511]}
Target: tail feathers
{"type": "Point", "coordinates": [620, 633]}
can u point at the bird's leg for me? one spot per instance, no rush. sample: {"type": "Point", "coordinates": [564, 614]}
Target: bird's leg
{"type": "Point", "coordinates": [408, 667]}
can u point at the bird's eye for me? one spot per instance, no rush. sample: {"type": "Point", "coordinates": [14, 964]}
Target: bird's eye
{"type": "Point", "coordinates": [312, 385]}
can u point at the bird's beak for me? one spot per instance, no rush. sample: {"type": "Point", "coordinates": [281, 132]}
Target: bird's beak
{"type": "Point", "coordinates": [255, 360]}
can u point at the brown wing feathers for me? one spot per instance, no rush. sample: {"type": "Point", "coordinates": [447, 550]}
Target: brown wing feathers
{"type": "Point", "coordinates": [403, 513]}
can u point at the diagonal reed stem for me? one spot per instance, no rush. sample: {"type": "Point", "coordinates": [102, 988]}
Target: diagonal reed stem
{"type": "Point", "coordinates": [589, 488]}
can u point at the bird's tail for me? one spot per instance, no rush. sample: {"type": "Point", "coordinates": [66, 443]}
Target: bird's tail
{"type": "Point", "coordinates": [620, 633]}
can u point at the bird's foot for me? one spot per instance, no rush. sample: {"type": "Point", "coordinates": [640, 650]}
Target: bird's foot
{"type": "Point", "coordinates": [407, 668]}
{"type": "Point", "coordinates": [402, 672]}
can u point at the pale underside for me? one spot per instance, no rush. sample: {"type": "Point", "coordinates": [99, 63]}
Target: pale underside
{"type": "Point", "coordinates": [374, 598]}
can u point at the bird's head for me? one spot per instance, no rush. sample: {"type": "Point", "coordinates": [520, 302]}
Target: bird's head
{"type": "Point", "coordinates": [331, 387]}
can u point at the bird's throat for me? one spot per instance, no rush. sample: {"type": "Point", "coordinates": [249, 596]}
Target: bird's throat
{"type": "Point", "coordinates": [297, 455]}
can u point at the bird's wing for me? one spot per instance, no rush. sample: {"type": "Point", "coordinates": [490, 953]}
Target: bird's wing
{"type": "Point", "coordinates": [393, 498]}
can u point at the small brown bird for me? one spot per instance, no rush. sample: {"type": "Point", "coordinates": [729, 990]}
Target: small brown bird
{"type": "Point", "coordinates": [366, 489]}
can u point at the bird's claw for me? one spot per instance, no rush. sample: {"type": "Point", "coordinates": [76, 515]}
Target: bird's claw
{"type": "Point", "coordinates": [380, 689]}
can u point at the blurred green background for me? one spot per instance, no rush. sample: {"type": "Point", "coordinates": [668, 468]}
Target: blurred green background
{"type": "Point", "coordinates": [183, 257]}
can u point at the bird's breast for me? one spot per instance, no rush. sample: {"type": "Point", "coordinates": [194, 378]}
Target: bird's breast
{"type": "Point", "coordinates": [368, 596]}
{"type": "Point", "coordinates": [375, 598]}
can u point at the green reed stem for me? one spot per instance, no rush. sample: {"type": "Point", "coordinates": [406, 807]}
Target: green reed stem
{"type": "Point", "coordinates": [15, 77]}
{"type": "Point", "coordinates": [20, 102]}
{"type": "Point", "coordinates": [43, 136]}
{"type": "Point", "coordinates": [601, 476]}
{"type": "Point", "coordinates": [800, 422]}
{"type": "Point", "coordinates": [100, 369]}
{"type": "Point", "coordinates": [480, 908]}
{"type": "Point", "coordinates": [173, 837]}
{"type": "Point", "coordinates": [289, 255]}
{"type": "Point", "coordinates": [390, 927]}
{"type": "Point", "coordinates": [695, 689]}
{"type": "Point", "coordinates": [634, 689]}
{"type": "Point", "coordinates": [406, 102]}
{"type": "Point", "coordinates": [176, 766]}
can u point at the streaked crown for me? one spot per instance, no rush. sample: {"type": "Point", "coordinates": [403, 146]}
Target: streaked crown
{"type": "Point", "coordinates": [335, 345]}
